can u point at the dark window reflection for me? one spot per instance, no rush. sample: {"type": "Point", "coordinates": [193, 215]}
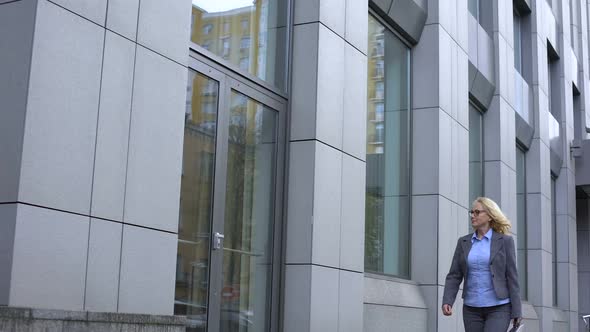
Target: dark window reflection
{"type": "Point", "coordinates": [521, 220]}
{"type": "Point", "coordinates": [475, 157]}
{"type": "Point", "coordinates": [245, 29]}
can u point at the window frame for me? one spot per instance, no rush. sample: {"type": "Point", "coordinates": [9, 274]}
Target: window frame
{"type": "Point", "coordinates": [230, 81]}
{"type": "Point", "coordinates": [524, 288]}
{"type": "Point", "coordinates": [410, 154]}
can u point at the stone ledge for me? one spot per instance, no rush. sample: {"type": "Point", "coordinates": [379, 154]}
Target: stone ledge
{"type": "Point", "coordinates": [28, 319]}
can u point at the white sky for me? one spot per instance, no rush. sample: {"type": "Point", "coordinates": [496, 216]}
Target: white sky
{"type": "Point", "coordinates": [214, 6]}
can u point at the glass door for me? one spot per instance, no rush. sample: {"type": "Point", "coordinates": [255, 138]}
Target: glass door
{"type": "Point", "coordinates": [197, 196]}
{"type": "Point", "coordinates": [227, 270]}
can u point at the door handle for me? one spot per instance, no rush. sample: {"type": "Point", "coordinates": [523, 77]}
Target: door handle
{"type": "Point", "coordinates": [217, 238]}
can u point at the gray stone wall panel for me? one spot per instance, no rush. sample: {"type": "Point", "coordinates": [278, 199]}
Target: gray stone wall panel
{"type": "Point", "coordinates": [7, 227]}
{"type": "Point", "coordinates": [356, 28]}
{"type": "Point", "coordinates": [330, 13]}
{"type": "Point", "coordinates": [352, 227]}
{"type": "Point", "coordinates": [58, 152]}
{"type": "Point", "coordinates": [122, 17]}
{"type": "Point", "coordinates": [355, 103]}
{"type": "Point", "coordinates": [324, 306]}
{"type": "Point", "coordinates": [297, 298]}
{"type": "Point", "coordinates": [49, 262]}
{"type": "Point", "coordinates": [300, 202]}
{"type": "Point", "coordinates": [330, 88]}
{"type": "Point", "coordinates": [409, 17]}
{"type": "Point", "coordinates": [93, 10]}
{"type": "Point", "coordinates": [148, 267]}
{"type": "Point", "coordinates": [155, 143]}
{"type": "Point", "coordinates": [327, 203]}
{"type": "Point", "coordinates": [350, 302]}
{"type": "Point", "coordinates": [164, 27]}
{"type": "Point", "coordinates": [382, 5]}
{"type": "Point", "coordinates": [104, 253]}
{"type": "Point", "coordinates": [304, 80]}
{"type": "Point", "coordinates": [16, 42]}
{"type": "Point", "coordinates": [110, 164]}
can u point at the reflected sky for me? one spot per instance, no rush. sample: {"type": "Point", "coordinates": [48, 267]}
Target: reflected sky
{"type": "Point", "coordinates": [214, 6]}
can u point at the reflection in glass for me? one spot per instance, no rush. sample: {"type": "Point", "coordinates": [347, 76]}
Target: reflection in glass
{"type": "Point", "coordinates": [473, 6]}
{"type": "Point", "coordinates": [192, 267]}
{"type": "Point", "coordinates": [554, 236]}
{"type": "Point", "coordinates": [517, 42]}
{"type": "Point", "coordinates": [387, 212]}
{"type": "Point", "coordinates": [521, 220]}
{"type": "Point", "coordinates": [475, 155]}
{"type": "Point", "coordinates": [245, 29]}
{"type": "Point", "coordinates": [249, 215]}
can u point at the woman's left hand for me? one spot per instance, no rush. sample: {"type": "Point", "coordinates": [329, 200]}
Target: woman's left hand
{"type": "Point", "coordinates": [516, 321]}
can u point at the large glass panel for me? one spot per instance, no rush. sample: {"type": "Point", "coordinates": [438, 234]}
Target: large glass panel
{"type": "Point", "coordinates": [521, 221]}
{"type": "Point", "coordinates": [517, 42]}
{"type": "Point", "coordinates": [252, 35]}
{"type": "Point", "coordinates": [387, 223]}
{"type": "Point", "coordinates": [553, 83]}
{"type": "Point", "coordinates": [473, 6]}
{"type": "Point", "coordinates": [196, 199]}
{"type": "Point", "coordinates": [554, 237]}
{"type": "Point", "coordinates": [475, 154]}
{"type": "Point", "coordinates": [249, 215]}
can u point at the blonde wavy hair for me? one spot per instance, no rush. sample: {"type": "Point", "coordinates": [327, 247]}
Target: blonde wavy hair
{"type": "Point", "coordinates": [499, 222]}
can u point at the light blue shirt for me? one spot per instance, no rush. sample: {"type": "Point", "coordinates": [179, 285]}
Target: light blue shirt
{"type": "Point", "coordinates": [480, 289]}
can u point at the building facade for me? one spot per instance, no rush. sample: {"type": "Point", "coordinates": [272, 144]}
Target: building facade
{"type": "Point", "coordinates": [288, 165]}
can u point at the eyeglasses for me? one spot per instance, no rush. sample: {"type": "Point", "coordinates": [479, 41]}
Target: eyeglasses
{"type": "Point", "coordinates": [475, 212]}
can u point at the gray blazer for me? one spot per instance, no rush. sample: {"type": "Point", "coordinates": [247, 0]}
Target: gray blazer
{"type": "Point", "coordinates": [502, 267]}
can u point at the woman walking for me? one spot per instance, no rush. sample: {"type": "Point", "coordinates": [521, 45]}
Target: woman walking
{"type": "Point", "coordinates": [486, 262]}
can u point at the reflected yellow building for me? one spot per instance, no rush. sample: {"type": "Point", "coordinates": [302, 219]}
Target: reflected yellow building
{"type": "Point", "coordinates": [233, 35]}
{"type": "Point", "coordinates": [375, 90]}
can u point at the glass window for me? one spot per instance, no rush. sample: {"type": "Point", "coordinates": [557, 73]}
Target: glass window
{"type": "Point", "coordinates": [554, 237]}
{"type": "Point", "coordinates": [475, 154]}
{"type": "Point", "coordinates": [553, 84]}
{"type": "Point", "coordinates": [244, 63]}
{"type": "Point", "coordinates": [379, 112]}
{"type": "Point", "coordinates": [207, 29]}
{"type": "Point", "coordinates": [521, 220]}
{"type": "Point", "coordinates": [379, 90]}
{"type": "Point", "coordinates": [517, 42]}
{"type": "Point", "coordinates": [387, 212]}
{"type": "Point", "coordinates": [473, 7]}
{"type": "Point", "coordinates": [379, 69]}
{"type": "Point", "coordinates": [231, 22]}
{"type": "Point", "coordinates": [225, 42]}
{"type": "Point", "coordinates": [378, 47]}
{"type": "Point", "coordinates": [245, 43]}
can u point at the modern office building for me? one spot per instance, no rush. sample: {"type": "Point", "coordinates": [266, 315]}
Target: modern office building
{"type": "Point", "coordinates": [286, 165]}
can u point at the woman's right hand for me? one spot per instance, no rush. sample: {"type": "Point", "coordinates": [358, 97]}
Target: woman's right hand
{"type": "Point", "coordinates": [447, 309]}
